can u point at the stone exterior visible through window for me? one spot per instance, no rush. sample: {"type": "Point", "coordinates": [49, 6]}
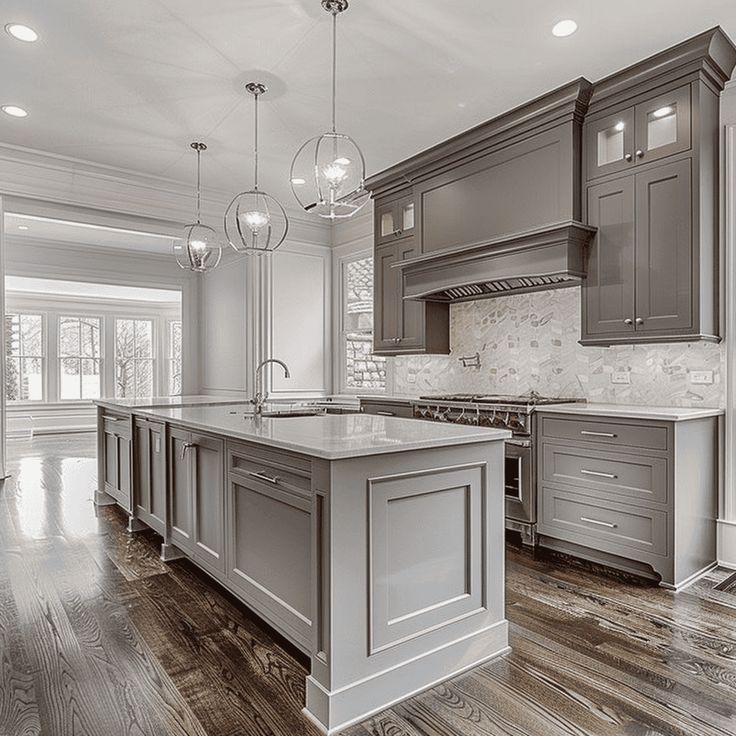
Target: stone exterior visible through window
{"type": "Point", "coordinates": [361, 369]}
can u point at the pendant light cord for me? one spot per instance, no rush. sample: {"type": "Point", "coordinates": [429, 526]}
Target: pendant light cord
{"type": "Point", "coordinates": [255, 144]}
{"type": "Point", "coordinates": [199, 194]}
{"type": "Point", "coordinates": [334, 67]}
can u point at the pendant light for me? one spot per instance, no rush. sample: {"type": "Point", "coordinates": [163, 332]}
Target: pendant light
{"type": "Point", "coordinates": [255, 222]}
{"type": "Point", "coordinates": [328, 171]}
{"type": "Point", "coordinates": [199, 250]}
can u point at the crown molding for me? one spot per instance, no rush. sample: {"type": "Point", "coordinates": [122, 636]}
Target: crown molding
{"type": "Point", "coordinates": [29, 176]}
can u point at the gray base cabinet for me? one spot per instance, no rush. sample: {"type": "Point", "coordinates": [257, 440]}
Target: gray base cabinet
{"type": "Point", "coordinates": [269, 560]}
{"type": "Point", "coordinates": [116, 461]}
{"type": "Point", "coordinates": [633, 494]}
{"type": "Point", "coordinates": [149, 473]}
{"type": "Point", "coordinates": [196, 496]}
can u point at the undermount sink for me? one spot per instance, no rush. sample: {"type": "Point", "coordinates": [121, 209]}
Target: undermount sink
{"type": "Point", "coordinates": [294, 413]}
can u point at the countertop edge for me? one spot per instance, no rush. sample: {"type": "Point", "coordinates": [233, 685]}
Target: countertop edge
{"type": "Point", "coordinates": [660, 413]}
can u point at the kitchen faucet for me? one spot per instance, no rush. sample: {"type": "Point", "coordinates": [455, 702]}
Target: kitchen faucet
{"type": "Point", "coordinates": [260, 398]}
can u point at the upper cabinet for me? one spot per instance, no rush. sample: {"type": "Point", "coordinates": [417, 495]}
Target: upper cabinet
{"type": "Point", "coordinates": [651, 157]}
{"type": "Point", "coordinates": [394, 220]}
{"type": "Point", "coordinates": [651, 130]}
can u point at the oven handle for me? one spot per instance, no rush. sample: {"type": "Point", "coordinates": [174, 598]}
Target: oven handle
{"type": "Point", "coordinates": [519, 443]}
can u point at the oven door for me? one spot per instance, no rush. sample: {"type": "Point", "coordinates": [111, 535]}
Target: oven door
{"type": "Point", "coordinates": [518, 481]}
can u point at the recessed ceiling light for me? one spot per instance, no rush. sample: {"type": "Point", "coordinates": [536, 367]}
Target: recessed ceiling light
{"type": "Point", "coordinates": [564, 28]}
{"type": "Point", "coordinates": [22, 227]}
{"type": "Point", "coordinates": [21, 32]}
{"type": "Point", "coordinates": [14, 111]}
{"type": "Point", "coordinates": [620, 125]}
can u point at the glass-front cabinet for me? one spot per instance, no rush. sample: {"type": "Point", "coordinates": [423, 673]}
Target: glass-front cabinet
{"type": "Point", "coordinates": [395, 220]}
{"type": "Point", "coordinates": [639, 134]}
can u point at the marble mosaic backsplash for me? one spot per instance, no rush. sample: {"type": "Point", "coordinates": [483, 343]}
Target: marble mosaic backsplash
{"type": "Point", "coordinates": [530, 341]}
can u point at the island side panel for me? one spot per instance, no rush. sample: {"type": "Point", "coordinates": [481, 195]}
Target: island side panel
{"type": "Point", "coordinates": [409, 576]}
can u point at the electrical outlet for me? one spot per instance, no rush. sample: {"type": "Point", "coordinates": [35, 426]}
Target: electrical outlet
{"type": "Point", "coordinates": [701, 377]}
{"type": "Point", "coordinates": [411, 378]}
{"type": "Point", "coordinates": [620, 377]}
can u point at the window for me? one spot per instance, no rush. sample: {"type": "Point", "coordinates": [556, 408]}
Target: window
{"type": "Point", "coordinates": [133, 358]}
{"type": "Point", "coordinates": [173, 357]}
{"type": "Point", "coordinates": [79, 358]}
{"type": "Point", "coordinates": [24, 344]}
{"type": "Point", "coordinates": [360, 368]}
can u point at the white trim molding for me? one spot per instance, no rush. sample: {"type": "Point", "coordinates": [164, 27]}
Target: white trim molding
{"type": "Point", "coordinates": [727, 505]}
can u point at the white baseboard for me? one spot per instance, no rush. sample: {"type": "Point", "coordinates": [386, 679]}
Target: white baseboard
{"type": "Point", "coordinates": [727, 543]}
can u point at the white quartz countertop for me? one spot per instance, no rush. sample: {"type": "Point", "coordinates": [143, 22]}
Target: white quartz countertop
{"type": "Point", "coordinates": [329, 436]}
{"type": "Point", "coordinates": [164, 401]}
{"type": "Point", "coordinates": [633, 411]}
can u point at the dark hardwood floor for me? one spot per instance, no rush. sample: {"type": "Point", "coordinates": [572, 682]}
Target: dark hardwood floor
{"type": "Point", "coordinates": [100, 638]}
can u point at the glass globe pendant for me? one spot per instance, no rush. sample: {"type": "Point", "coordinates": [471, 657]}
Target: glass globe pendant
{"type": "Point", "coordinates": [199, 250]}
{"type": "Point", "coordinates": [255, 222]}
{"type": "Point", "coordinates": [328, 171]}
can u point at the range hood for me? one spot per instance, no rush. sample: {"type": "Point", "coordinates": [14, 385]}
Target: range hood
{"type": "Point", "coordinates": [547, 257]}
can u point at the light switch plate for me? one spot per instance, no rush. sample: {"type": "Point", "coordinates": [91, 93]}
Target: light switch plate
{"type": "Point", "coordinates": [701, 377]}
{"type": "Point", "coordinates": [620, 377]}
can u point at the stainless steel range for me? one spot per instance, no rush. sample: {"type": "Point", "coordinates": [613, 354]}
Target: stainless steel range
{"type": "Point", "coordinates": [509, 412]}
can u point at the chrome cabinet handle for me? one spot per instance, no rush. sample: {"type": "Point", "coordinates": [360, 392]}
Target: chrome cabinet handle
{"type": "Point", "coordinates": [599, 523]}
{"type": "Point", "coordinates": [186, 446]}
{"type": "Point", "coordinates": [639, 321]}
{"type": "Point", "coordinates": [597, 434]}
{"type": "Point", "coordinates": [385, 414]}
{"type": "Point", "coordinates": [628, 321]}
{"type": "Point", "coordinates": [628, 157]}
{"type": "Point", "coordinates": [639, 153]}
{"type": "Point", "coordinates": [275, 479]}
{"type": "Point", "coordinates": [597, 473]}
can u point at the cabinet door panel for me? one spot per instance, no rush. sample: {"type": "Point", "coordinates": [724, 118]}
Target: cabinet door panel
{"type": "Point", "coordinates": [664, 243]}
{"type": "Point", "coordinates": [180, 489]}
{"type": "Point", "coordinates": [663, 125]}
{"type": "Point", "coordinates": [608, 291]}
{"type": "Point", "coordinates": [386, 318]}
{"type": "Point", "coordinates": [142, 467]}
{"type": "Point", "coordinates": [411, 313]}
{"type": "Point", "coordinates": [270, 553]}
{"type": "Point", "coordinates": [609, 143]}
{"type": "Point", "coordinates": [208, 499]}
{"type": "Point", "coordinates": [158, 474]}
{"type": "Point", "coordinates": [111, 460]}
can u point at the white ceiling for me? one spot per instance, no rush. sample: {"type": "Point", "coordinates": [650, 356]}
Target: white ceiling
{"type": "Point", "coordinates": [82, 290]}
{"type": "Point", "coordinates": [31, 228]}
{"type": "Point", "coordinates": [130, 84]}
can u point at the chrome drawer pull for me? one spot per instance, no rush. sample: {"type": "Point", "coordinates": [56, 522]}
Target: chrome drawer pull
{"type": "Point", "coordinates": [264, 476]}
{"type": "Point", "coordinates": [597, 473]}
{"type": "Point", "coordinates": [600, 523]}
{"type": "Point", "coordinates": [186, 446]}
{"type": "Point", "coordinates": [385, 414]}
{"type": "Point", "coordinates": [597, 434]}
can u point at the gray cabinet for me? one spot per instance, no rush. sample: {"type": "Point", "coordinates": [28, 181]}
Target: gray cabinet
{"type": "Point", "coordinates": [640, 281]}
{"type": "Point", "coordinates": [196, 496]}
{"type": "Point", "coordinates": [608, 291]}
{"type": "Point", "coordinates": [638, 134]}
{"type": "Point", "coordinates": [149, 473]}
{"type": "Point", "coordinates": [638, 495]}
{"type": "Point", "coordinates": [398, 323]}
{"type": "Point", "coordinates": [394, 219]}
{"type": "Point", "coordinates": [387, 407]}
{"type": "Point", "coordinates": [269, 507]}
{"type": "Point", "coordinates": [116, 462]}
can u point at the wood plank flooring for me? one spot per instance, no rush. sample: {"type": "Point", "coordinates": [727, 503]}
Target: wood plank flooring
{"type": "Point", "coordinates": [98, 637]}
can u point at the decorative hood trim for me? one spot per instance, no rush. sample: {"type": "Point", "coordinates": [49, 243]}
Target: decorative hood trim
{"type": "Point", "coordinates": [548, 257]}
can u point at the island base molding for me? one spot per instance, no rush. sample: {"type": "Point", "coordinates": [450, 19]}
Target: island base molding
{"type": "Point", "coordinates": [334, 711]}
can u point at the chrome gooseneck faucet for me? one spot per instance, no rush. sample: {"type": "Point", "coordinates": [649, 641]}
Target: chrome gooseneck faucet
{"type": "Point", "coordinates": [260, 398]}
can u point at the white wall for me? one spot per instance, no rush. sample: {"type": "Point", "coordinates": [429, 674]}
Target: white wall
{"type": "Point", "coordinates": [256, 307]}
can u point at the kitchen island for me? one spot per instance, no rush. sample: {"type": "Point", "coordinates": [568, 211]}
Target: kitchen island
{"type": "Point", "coordinates": [375, 544]}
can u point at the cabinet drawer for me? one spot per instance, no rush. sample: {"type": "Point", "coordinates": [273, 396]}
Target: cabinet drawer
{"type": "Point", "coordinates": [638, 477]}
{"type": "Point", "coordinates": [638, 435]}
{"type": "Point", "coordinates": [117, 424]}
{"type": "Point", "coordinates": [276, 468]}
{"type": "Point", "coordinates": [387, 409]}
{"type": "Point", "coordinates": [604, 525]}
